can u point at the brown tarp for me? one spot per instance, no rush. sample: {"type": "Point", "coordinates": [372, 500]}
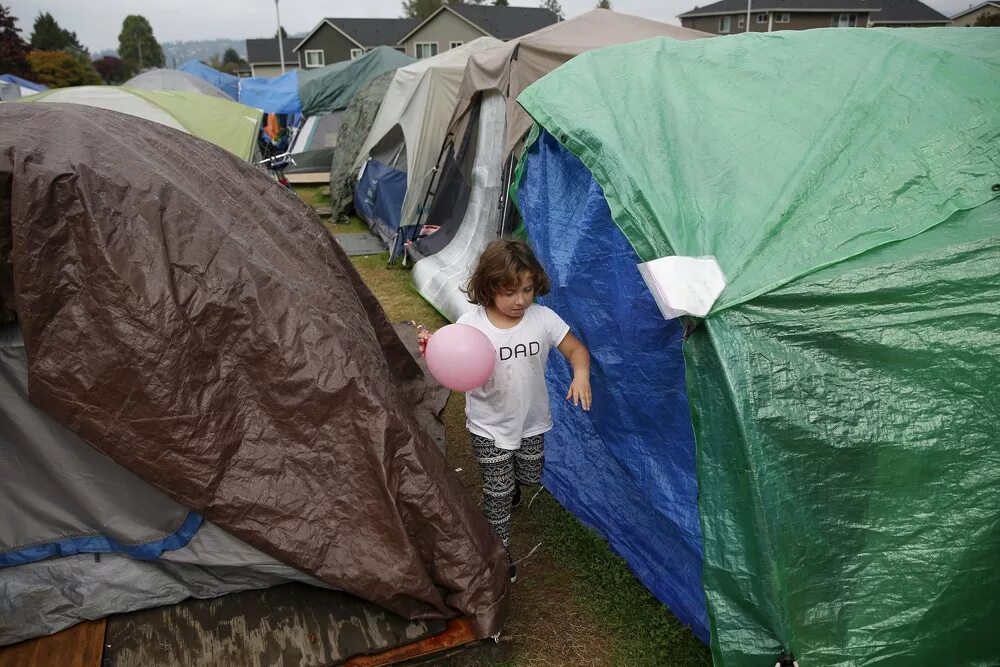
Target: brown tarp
{"type": "Point", "coordinates": [516, 64]}
{"type": "Point", "coordinates": [195, 322]}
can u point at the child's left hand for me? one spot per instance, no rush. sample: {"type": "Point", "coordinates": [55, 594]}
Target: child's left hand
{"type": "Point", "coordinates": [579, 392]}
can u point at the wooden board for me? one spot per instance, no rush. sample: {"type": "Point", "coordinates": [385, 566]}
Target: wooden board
{"type": "Point", "coordinates": [294, 624]}
{"type": "Point", "coordinates": [458, 633]}
{"type": "Point", "coordinates": [306, 178]}
{"type": "Point", "coordinates": [77, 646]}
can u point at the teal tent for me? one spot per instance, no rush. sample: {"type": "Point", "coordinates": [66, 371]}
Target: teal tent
{"type": "Point", "coordinates": [809, 466]}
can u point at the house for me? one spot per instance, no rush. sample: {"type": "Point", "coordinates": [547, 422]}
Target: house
{"type": "Point", "coordinates": [453, 25]}
{"type": "Point", "coordinates": [973, 14]}
{"type": "Point", "coordinates": [334, 39]}
{"type": "Point", "coordinates": [730, 16]}
{"type": "Point", "coordinates": [265, 59]}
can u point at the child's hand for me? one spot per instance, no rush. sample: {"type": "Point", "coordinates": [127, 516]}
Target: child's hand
{"type": "Point", "coordinates": [579, 392]}
{"type": "Point", "coordinates": [423, 335]}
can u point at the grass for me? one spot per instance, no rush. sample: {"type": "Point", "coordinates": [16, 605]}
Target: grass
{"type": "Point", "coordinates": [575, 602]}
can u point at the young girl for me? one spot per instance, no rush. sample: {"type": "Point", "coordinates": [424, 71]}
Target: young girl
{"type": "Point", "coordinates": [508, 416]}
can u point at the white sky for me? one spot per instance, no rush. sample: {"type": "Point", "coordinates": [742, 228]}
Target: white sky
{"type": "Point", "coordinates": [97, 22]}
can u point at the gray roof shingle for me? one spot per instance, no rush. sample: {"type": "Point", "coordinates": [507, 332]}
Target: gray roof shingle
{"type": "Point", "coordinates": [506, 22]}
{"type": "Point", "coordinates": [375, 32]}
{"type": "Point", "coordinates": [266, 50]}
{"type": "Point", "coordinates": [882, 10]}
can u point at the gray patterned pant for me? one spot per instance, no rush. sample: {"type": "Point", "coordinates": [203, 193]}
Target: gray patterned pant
{"type": "Point", "coordinates": [500, 469]}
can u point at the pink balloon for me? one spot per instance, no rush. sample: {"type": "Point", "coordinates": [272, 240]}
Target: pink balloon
{"type": "Point", "coordinates": [460, 357]}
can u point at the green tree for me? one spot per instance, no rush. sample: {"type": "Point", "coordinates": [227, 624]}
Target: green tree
{"type": "Point", "coordinates": [47, 35]}
{"type": "Point", "coordinates": [420, 9]}
{"type": "Point", "coordinates": [13, 49]}
{"type": "Point", "coordinates": [501, 3]}
{"type": "Point", "coordinates": [230, 56]}
{"type": "Point", "coordinates": [137, 47]}
{"type": "Point", "coordinates": [58, 69]}
{"type": "Point", "coordinates": [604, 4]}
{"type": "Point", "coordinates": [554, 7]}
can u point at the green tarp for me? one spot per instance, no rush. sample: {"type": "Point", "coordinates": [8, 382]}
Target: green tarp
{"type": "Point", "coordinates": [332, 87]}
{"type": "Point", "coordinates": [843, 386]}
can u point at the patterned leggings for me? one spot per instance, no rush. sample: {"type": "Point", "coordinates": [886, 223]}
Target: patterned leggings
{"type": "Point", "coordinates": [500, 468]}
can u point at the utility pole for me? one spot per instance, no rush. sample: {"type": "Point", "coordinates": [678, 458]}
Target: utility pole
{"type": "Point", "coordinates": [748, 15]}
{"type": "Point", "coordinates": [281, 42]}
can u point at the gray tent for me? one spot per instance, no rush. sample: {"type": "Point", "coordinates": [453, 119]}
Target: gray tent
{"type": "Point", "coordinates": [170, 79]}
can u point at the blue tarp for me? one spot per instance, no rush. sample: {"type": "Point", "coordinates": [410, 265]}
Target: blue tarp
{"type": "Point", "coordinates": [378, 198]}
{"type": "Point", "coordinates": [278, 94]}
{"type": "Point", "coordinates": [227, 83]}
{"type": "Point", "coordinates": [626, 468]}
{"type": "Point", "coordinates": [24, 83]}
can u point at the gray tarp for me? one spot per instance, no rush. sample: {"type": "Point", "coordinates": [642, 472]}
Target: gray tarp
{"type": "Point", "coordinates": [171, 79]}
{"type": "Point", "coordinates": [196, 323]}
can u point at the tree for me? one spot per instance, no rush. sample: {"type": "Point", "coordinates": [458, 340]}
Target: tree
{"type": "Point", "coordinates": [137, 47]}
{"type": "Point", "coordinates": [13, 49]}
{"type": "Point", "coordinates": [988, 19]}
{"type": "Point", "coordinates": [284, 35]}
{"type": "Point", "coordinates": [230, 56]}
{"type": "Point", "coordinates": [501, 3]}
{"type": "Point", "coordinates": [47, 35]}
{"type": "Point", "coordinates": [604, 4]}
{"type": "Point", "coordinates": [420, 9]}
{"type": "Point", "coordinates": [111, 70]}
{"type": "Point", "coordinates": [58, 69]}
{"type": "Point", "coordinates": [554, 7]}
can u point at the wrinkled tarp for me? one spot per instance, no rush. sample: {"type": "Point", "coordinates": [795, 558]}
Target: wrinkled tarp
{"type": "Point", "coordinates": [198, 325]}
{"type": "Point", "coordinates": [227, 83]}
{"type": "Point", "coordinates": [354, 127]}
{"type": "Point", "coordinates": [232, 126]}
{"type": "Point", "coordinates": [633, 454]}
{"type": "Point", "coordinates": [27, 87]}
{"type": "Point", "coordinates": [279, 94]}
{"type": "Point", "coordinates": [333, 87]}
{"type": "Point", "coordinates": [420, 102]}
{"type": "Point", "coordinates": [171, 79]}
{"type": "Point", "coordinates": [842, 388]}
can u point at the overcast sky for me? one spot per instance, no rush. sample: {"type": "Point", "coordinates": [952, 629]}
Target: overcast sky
{"type": "Point", "coordinates": [97, 22]}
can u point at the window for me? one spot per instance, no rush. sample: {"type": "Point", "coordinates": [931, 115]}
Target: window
{"type": "Point", "coordinates": [762, 17]}
{"type": "Point", "coordinates": [356, 53]}
{"type": "Point", "coordinates": [315, 58]}
{"type": "Point", "coordinates": [725, 22]}
{"type": "Point", "coordinates": [741, 21]}
{"type": "Point", "coordinates": [783, 18]}
{"type": "Point", "coordinates": [845, 21]}
{"type": "Point", "coordinates": [455, 45]}
{"type": "Point", "coordinates": [401, 49]}
{"type": "Point", "coordinates": [425, 49]}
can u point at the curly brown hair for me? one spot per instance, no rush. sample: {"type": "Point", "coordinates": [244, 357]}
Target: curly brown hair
{"type": "Point", "coordinates": [500, 267]}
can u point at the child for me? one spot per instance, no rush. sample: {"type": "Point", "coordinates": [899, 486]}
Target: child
{"type": "Point", "coordinates": [508, 416]}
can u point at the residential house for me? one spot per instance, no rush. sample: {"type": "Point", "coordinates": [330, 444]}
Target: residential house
{"type": "Point", "coordinates": [973, 14]}
{"type": "Point", "coordinates": [730, 16]}
{"type": "Point", "coordinates": [334, 40]}
{"type": "Point", "coordinates": [265, 59]}
{"type": "Point", "coordinates": [454, 25]}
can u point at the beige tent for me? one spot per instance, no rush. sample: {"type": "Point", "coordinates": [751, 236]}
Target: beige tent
{"type": "Point", "coordinates": [412, 122]}
{"type": "Point", "coordinates": [484, 137]}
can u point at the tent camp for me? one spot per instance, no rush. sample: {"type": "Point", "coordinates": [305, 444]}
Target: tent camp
{"type": "Point", "coordinates": [325, 94]}
{"type": "Point", "coordinates": [171, 79]}
{"type": "Point", "coordinates": [355, 125]}
{"type": "Point", "coordinates": [227, 83]}
{"type": "Point", "coordinates": [402, 149]}
{"type": "Point", "coordinates": [229, 125]}
{"type": "Point", "coordinates": [810, 464]}
{"type": "Point", "coordinates": [486, 129]}
{"type": "Point", "coordinates": [198, 388]}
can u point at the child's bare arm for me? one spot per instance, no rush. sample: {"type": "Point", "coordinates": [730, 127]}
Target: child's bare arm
{"type": "Point", "coordinates": [579, 358]}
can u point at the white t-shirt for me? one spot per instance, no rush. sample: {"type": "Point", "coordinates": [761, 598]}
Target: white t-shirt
{"type": "Point", "coordinates": [514, 402]}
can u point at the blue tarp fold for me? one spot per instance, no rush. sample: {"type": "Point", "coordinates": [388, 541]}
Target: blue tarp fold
{"type": "Point", "coordinates": [227, 83]}
{"type": "Point", "coordinates": [626, 468]}
{"type": "Point", "coordinates": [278, 94]}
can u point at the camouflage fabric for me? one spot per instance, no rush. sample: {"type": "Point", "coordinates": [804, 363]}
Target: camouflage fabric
{"type": "Point", "coordinates": [354, 128]}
